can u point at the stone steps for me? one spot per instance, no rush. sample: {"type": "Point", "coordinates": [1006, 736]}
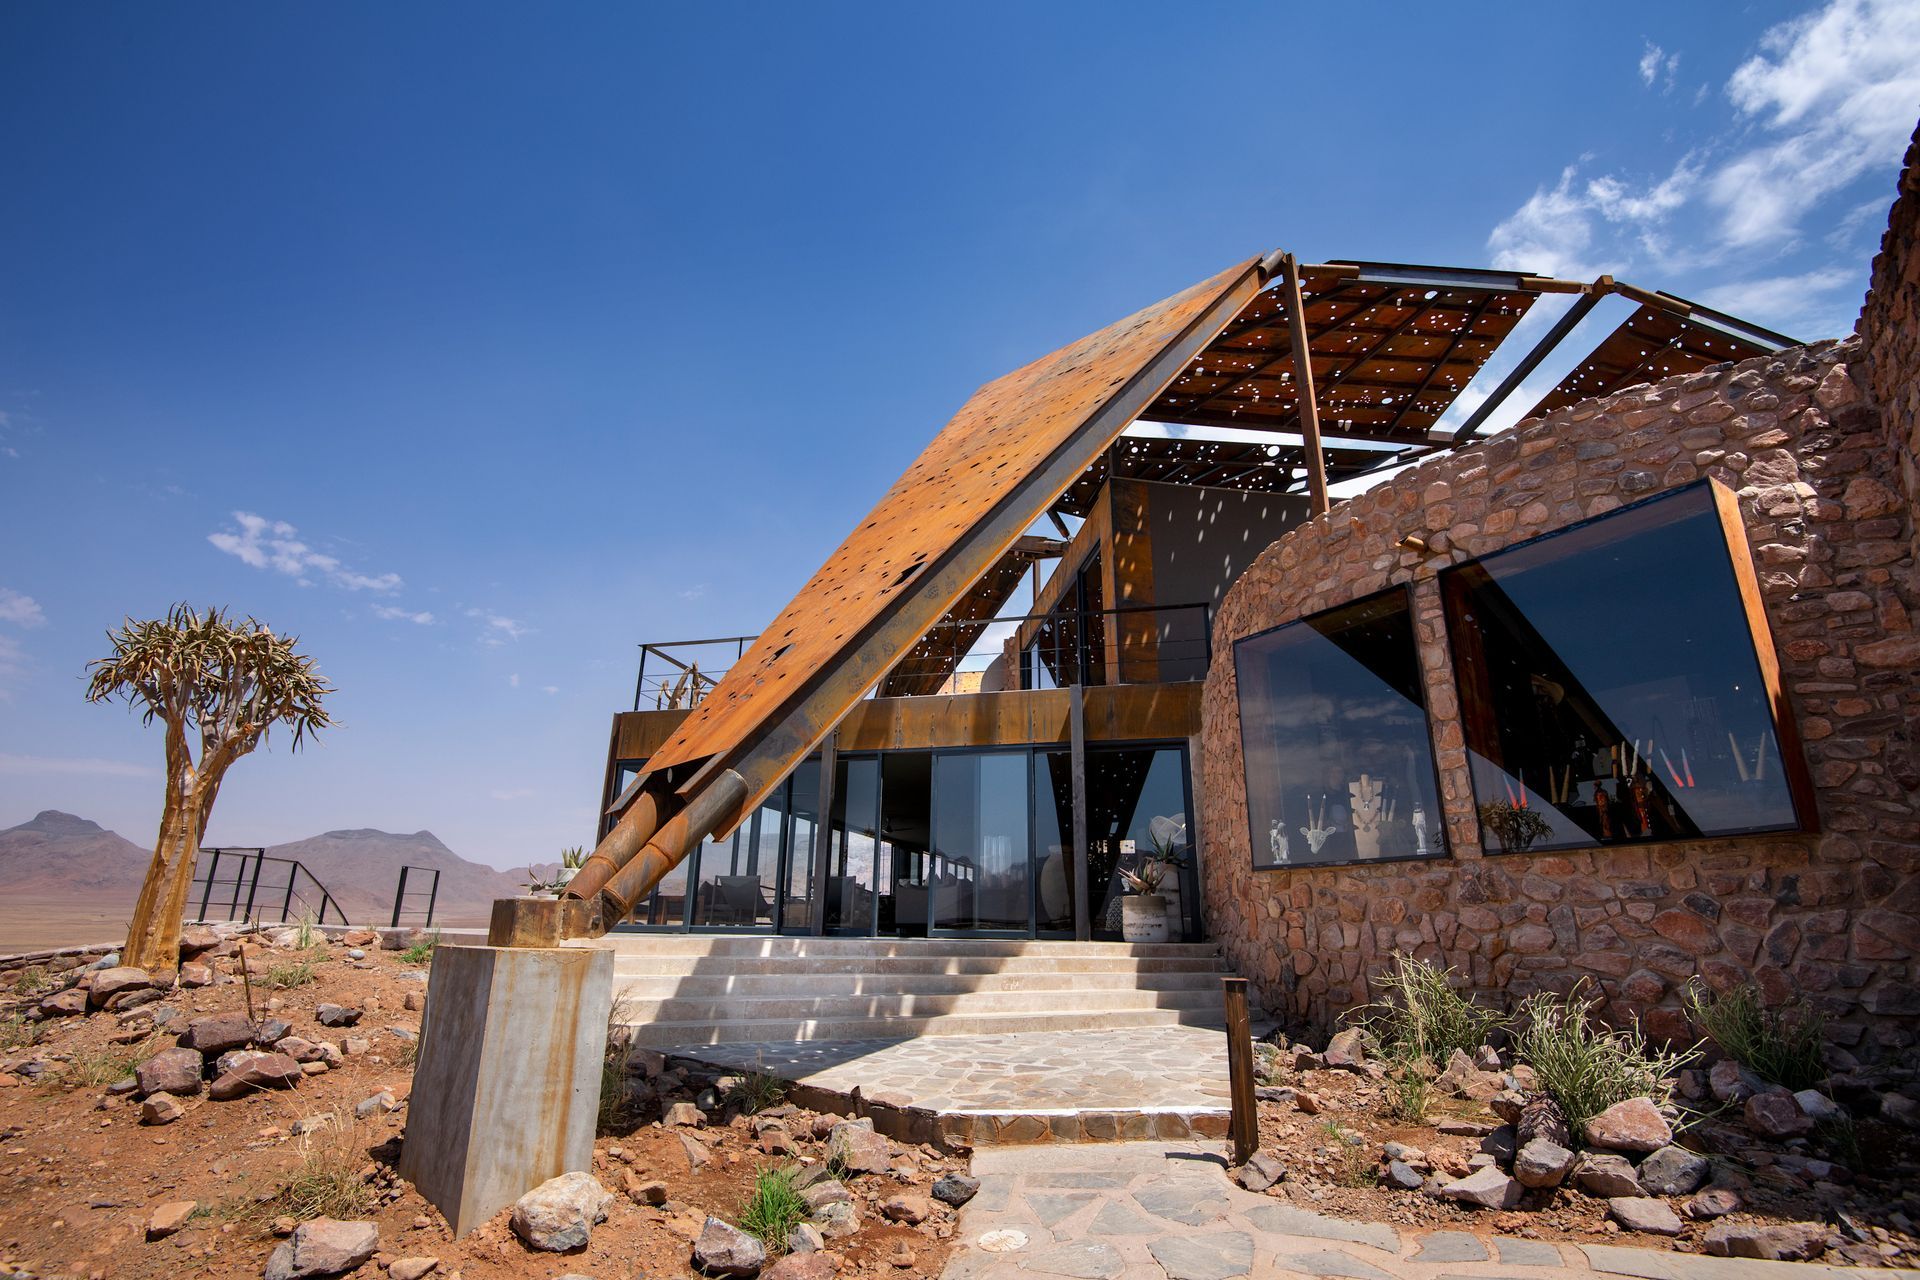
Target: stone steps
{"type": "Point", "coordinates": [701, 989]}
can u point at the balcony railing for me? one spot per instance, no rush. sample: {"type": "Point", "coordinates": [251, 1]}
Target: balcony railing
{"type": "Point", "coordinates": [245, 884]}
{"type": "Point", "coordinates": [1135, 644]}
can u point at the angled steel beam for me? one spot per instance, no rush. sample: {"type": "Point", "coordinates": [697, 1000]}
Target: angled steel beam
{"type": "Point", "coordinates": [1309, 410]}
{"type": "Point", "coordinates": [1531, 361]}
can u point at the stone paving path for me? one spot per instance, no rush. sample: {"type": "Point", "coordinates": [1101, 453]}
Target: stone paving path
{"type": "Point", "coordinates": [1166, 1211]}
{"type": "Point", "coordinates": [1144, 1082]}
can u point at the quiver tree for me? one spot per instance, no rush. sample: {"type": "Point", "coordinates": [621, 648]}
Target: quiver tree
{"type": "Point", "coordinates": [227, 682]}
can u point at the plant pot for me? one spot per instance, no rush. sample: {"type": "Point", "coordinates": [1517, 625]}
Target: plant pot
{"type": "Point", "coordinates": [1143, 917]}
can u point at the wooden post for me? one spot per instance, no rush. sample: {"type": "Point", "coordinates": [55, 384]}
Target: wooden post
{"type": "Point", "coordinates": [1303, 389]}
{"type": "Point", "coordinates": [1244, 1126]}
{"type": "Point", "coordinates": [1077, 740]}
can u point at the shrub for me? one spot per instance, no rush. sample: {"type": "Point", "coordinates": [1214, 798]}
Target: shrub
{"type": "Point", "coordinates": [759, 1090]}
{"type": "Point", "coordinates": [31, 981]}
{"type": "Point", "coordinates": [289, 974]}
{"type": "Point", "coordinates": [617, 1107]}
{"type": "Point", "coordinates": [92, 1068]}
{"type": "Point", "coordinates": [1784, 1046]}
{"type": "Point", "coordinates": [328, 1182]}
{"type": "Point", "coordinates": [17, 1033]}
{"type": "Point", "coordinates": [421, 950]}
{"type": "Point", "coordinates": [1353, 1162]}
{"type": "Point", "coordinates": [1422, 1016]}
{"type": "Point", "coordinates": [773, 1209]}
{"type": "Point", "coordinates": [1584, 1066]}
{"type": "Point", "coordinates": [1408, 1092]}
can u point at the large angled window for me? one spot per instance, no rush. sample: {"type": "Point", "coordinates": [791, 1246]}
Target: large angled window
{"type": "Point", "coordinates": [1610, 687]}
{"type": "Point", "coordinates": [1333, 726]}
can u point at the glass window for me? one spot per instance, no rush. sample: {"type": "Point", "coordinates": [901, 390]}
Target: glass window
{"type": "Point", "coordinates": [851, 845]}
{"type": "Point", "coordinates": [739, 876]}
{"type": "Point", "coordinates": [1136, 806]}
{"type": "Point", "coordinates": [1053, 839]}
{"type": "Point", "coordinates": [981, 877]}
{"type": "Point", "coordinates": [1333, 724]}
{"type": "Point", "coordinates": [1609, 687]}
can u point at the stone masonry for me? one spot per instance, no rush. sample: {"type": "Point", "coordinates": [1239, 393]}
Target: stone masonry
{"type": "Point", "coordinates": [1825, 483]}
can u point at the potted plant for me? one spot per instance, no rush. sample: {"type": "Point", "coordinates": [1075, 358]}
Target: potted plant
{"type": "Point", "coordinates": [1143, 911]}
{"type": "Point", "coordinates": [540, 886]}
{"type": "Point", "coordinates": [1516, 826]}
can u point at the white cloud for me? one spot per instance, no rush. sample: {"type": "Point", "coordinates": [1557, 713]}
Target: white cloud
{"type": "Point", "coordinates": [1657, 66]}
{"type": "Point", "coordinates": [1836, 88]}
{"type": "Point", "coordinates": [1554, 232]}
{"type": "Point", "coordinates": [71, 766]}
{"type": "Point", "coordinates": [513, 681]}
{"type": "Point", "coordinates": [275, 545]}
{"type": "Point", "coordinates": [1808, 294]}
{"type": "Point", "coordinates": [498, 629]}
{"type": "Point", "coordinates": [393, 614]}
{"type": "Point", "coordinates": [20, 610]}
{"type": "Point", "coordinates": [549, 688]}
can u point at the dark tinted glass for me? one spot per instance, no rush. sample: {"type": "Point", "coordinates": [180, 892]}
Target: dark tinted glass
{"type": "Point", "coordinates": [1338, 759]}
{"type": "Point", "coordinates": [1608, 685]}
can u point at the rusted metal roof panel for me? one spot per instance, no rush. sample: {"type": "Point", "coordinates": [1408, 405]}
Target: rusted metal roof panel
{"type": "Point", "coordinates": [995, 468]}
{"type": "Point", "coordinates": [1653, 343]}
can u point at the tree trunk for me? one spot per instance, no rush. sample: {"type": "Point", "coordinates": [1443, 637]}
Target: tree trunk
{"type": "Point", "coordinates": [153, 936]}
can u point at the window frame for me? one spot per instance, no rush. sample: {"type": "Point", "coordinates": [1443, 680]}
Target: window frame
{"type": "Point", "coordinates": [1438, 830]}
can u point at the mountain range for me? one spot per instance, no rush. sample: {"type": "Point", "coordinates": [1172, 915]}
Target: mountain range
{"type": "Point", "coordinates": [58, 855]}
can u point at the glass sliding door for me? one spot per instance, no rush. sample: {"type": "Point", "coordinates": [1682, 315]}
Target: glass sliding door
{"type": "Point", "coordinates": [852, 846]}
{"type": "Point", "coordinates": [1053, 842]}
{"type": "Point", "coordinates": [796, 894]}
{"type": "Point", "coordinates": [906, 832]}
{"type": "Point", "coordinates": [1137, 802]}
{"type": "Point", "coordinates": [982, 875]}
{"type": "Point", "coordinates": [736, 878]}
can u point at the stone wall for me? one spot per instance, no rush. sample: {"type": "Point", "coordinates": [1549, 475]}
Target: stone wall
{"type": "Point", "coordinates": [1835, 914]}
{"type": "Point", "coordinates": [1889, 331]}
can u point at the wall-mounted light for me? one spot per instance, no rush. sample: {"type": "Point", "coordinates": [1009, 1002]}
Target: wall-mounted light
{"type": "Point", "coordinates": [1415, 543]}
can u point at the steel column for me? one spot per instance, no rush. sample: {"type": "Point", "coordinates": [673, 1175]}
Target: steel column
{"type": "Point", "coordinates": [1303, 389]}
{"type": "Point", "coordinates": [1077, 739]}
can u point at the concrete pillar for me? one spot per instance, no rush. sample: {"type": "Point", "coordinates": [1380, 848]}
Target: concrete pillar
{"type": "Point", "coordinates": [506, 1089]}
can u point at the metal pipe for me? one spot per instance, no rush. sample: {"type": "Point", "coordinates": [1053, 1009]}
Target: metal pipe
{"type": "Point", "coordinates": [629, 835]}
{"type": "Point", "coordinates": [1308, 409]}
{"type": "Point", "coordinates": [723, 793]}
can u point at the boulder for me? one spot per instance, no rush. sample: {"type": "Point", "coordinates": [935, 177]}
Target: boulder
{"type": "Point", "coordinates": [1818, 1106]}
{"type": "Point", "coordinates": [1488, 1188]}
{"type": "Point", "coordinates": [1261, 1171]}
{"type": "Point", "coordinates": [1773, 1113]}
{"type": "Point", "coordinates": [1347, 1051]}
{"type": "Point", "coordinates": [725, 1250]}
{"type": "Point", "coordinates": [1633, 1125]}
{"type": "Point", "coordinates": [1645, 1214]}
{"type": "Point", "coordinates": [196, 938]}
{"type": "Point", "coordinates": [323, 1247]}
{"type": "Point", "coordinates": [1402, 1176]}
{"type": "Point", "coordinates": [254, 1072]}
{"type": "Point", "coordinates": [218, 1033]}
{"type": "Point", "coordinates": [906, 1207]}
{"type": "Point", "coordinates": [175, 1071]}
{"type": "Point", "coordinates": [1542, 1163]}
{"type": "Point", "coordinates": [1714, 1202]}
{"type": "Point", "coordinates": [111, 982]}
{"type": "Point", "coordinates": [336, 1015]}
{"type": "Point", "coordinates": [271, 1032]}
{"type": "Point", "coordinates": [858, 1149]}
{"type": "Point", "coordinates": [196, 975]}
{"type": "Point", "coordinates": [169, 1218]}
{"type": "Point", "coordinates": [1775, 1242]}
{"type": "Point", "coordinates": [63, 1004]}
{"type": "Point", "coordinates": [1499, 1144]}
{"type": "Point", "coordinates": [1731, 1082]}
{"type": "Point", "coordinates": [684, 1115]}
{"type": "Point", "coordinates": [1606, 1176]}
{"type": "Point", "coordinates": [161, 1108]}
{"type": "Point", "coordinates": [559, 1215]}
{"type": "Point", "coordinates": [956, 1189]}
{"type": "Point", "coordinates": [1673, 1171]}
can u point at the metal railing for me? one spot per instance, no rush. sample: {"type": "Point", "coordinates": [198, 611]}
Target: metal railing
{"type": "Point", "coordinates": [256, 887]}
{"type": "Point", "coordinates": [401, 893]}
{"type": "Point", "coordinates": [682, 679]}
{"type": "Point", "coordinates": [1132, 644]}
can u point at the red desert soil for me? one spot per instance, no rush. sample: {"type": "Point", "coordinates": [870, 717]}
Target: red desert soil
{"type": "Point", "coordinates": [80, 1175]}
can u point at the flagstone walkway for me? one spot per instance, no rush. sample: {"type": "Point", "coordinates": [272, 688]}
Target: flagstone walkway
{"type": "Point", "coordinates": [1166, 1211]}
{"type": "Point", "coordinates": [1163, 1082]}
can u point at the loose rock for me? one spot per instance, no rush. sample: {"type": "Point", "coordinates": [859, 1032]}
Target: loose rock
{"type": "Point", "coordinates": [1642, 1213]}
{"type": "Point", "coordinates": [956, 1189]}
{"type": "Point", "coordinates": [725, 1250]}
{"type": "Point", "coordinates": [161, 1108]}
{"type": "Point", "coordinates": [1673, 1171]}
{"type": "Point", "coordinates": [908, 1208]}
{"type": "Point", "coordinates": [169, 1218]}
{"type": "Point", "coordinates": [175, 1071]}
{"type": "Point", "coordinates": [411, 1268]}
{"type": "Point", "coordinates": [1633, 1125]}
{"type": "Point", "coordinates": [336, 1015]}
{"type": "Point", "coordinates": [1542, 1163]}
{"type": "Point", "coordinates": [1773, 1113]}
{"type": "Point", "coordinates": [1606, 1176]}
{"type": "Point", "coordinates": [684, 1115]}
{"type": "Point", "coordinates": [217, 1034]}
{"type": "Point", "coordinates": [323, 1247]}
{"type": "Point", "coordinates": [254, 1072]}
{"type": "Point", "coordinates": [1714, 1202]}
{"type": "Point", "coordinates": [858, 1149]}
{"type": "Point", "coordinates": [1780, 1242]}
{"type": "Point", "coordinates": [560, 1213]}
{"type": "Point", "coordinates": [1489, 1188]}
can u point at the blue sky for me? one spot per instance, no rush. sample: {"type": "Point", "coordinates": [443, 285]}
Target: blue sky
{"type": "Point", "coordinates": [477, 343]}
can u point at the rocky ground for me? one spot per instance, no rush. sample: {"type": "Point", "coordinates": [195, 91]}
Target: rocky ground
{"type": "Point", "coordinates": [1728, 1167]}
{"type": "Point", "coordinates": [161, 1128]}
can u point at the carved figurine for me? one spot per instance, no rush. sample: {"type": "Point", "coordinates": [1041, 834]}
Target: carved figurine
{"type": "Point", "coordinates": [1317, 829]}
{"type": "Point", "coordinates": [1368, 812]}
{"type": "Point", "coordinates": [1419, 830]}
{"type": "Point", "coordinates": [1642, 811]}
{"type": "Point", "coordinates": [1603, 809]}
{"type": "Point", "coordinates": [1277, 842]}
